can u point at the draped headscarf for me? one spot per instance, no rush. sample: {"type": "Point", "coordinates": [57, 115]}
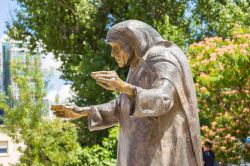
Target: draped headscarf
{"type": "Point", "coordinates": [136, 33]}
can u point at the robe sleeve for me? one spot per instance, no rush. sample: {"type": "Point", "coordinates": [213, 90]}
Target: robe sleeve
{"type": "Point", "coordinates": [103, 116]}
{"type": "Point", "coordinates": [159, 99]}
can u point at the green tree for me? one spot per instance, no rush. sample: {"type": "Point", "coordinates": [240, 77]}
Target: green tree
{"type": "Point", "coordinates": [218, 18]}
{"type": "Point", "coordinates": [46, 142]}
{"type": "Point", "coordinates": [222, 76]}
{"type": "Point", "coordinates": [104, 154]}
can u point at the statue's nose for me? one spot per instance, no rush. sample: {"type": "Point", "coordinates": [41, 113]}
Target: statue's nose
{"type": "Point", "coordinates": [113, 54]}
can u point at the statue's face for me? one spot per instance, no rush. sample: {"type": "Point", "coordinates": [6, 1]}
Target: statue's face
{"type": "Point", "coordinates": [120, 53]}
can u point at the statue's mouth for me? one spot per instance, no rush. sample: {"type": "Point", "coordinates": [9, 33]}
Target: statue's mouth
{"type": "Point", "coordinates": [117, 60]}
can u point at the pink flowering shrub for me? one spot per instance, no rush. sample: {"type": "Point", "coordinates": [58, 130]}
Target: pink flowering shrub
{"type": "Point", "coordinates": [221, 71]}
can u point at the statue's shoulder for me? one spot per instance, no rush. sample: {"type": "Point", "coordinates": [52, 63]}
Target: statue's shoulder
{"type": "Point", "coordinates": [158, 51]}
{"type": "Point", "coordinates": [166, 51]}
{"type": "Point", "coordinates": [161, 55]}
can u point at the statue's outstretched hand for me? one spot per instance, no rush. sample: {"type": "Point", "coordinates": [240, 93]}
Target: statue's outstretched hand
{"type": "Point", "coordinates": [69, 111]}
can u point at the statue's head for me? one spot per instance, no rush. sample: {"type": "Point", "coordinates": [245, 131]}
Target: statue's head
{"type": "Point", "coordinates": [130, 40]}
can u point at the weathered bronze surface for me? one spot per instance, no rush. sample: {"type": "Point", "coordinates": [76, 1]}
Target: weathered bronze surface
{"type": "Point", "coordinates": [157, 108]}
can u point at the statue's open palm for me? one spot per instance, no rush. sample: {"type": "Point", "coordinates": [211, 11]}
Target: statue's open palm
{"type": "Point", "coordinates": [69, 111]}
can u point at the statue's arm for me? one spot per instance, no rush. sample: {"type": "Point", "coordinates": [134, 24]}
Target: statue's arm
{"type": "Point", "coordinates": [144, 102]}
{"type": "Point", "coordinates": [104, 115]}
{"type": "Point", "coordinates": [99, 116]}
{"type": "Point", "coordinates": [153, 102]}
{"type": "Point", "coordinates": [160, 98]}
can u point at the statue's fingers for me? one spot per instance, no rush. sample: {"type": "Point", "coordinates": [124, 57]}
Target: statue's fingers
{"type": "Point", "coordinates": [60, 116]}
{"type": "Point", "coordinates": [72, 115]}
{"type": "Point", "coordinates": [57, 114]}
{"type": "Point", "coordinates": [105, 80]}
{"type": "Point", "coordinates": [107, 76]}
{"type": "Point", "coordinates": [95, 76]}
{"type": "Point", "coordinates": [55, 111]}
{"type": "Point", "coordinates": [84, 113]}
{"type": "Point", "coordinates": [104, 85]}
{"type": "Point", "coordinates": [56, 107]}
{"type": "Point", "coordinates": [76, 115]}
{"type": "Point", "coordinates": [101, 72]}
{"type": "Point", "coordinates": [67, 114]}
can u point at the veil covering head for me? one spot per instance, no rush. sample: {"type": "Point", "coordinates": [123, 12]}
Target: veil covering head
{"type": "Point", "coordinates": [136, 34]}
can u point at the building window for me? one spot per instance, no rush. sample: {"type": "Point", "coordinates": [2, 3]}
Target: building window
{"type": "Point", "coordinates": [3, 148]}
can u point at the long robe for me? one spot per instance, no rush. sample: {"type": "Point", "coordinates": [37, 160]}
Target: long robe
{"type": "Point", "coordinates": [160, 125]}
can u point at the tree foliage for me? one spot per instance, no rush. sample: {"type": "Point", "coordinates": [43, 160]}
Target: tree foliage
{"type": "Point", "coordinates": [222, 76]}
{"type": "Point", "coordinates": [46, 142]}
{"type": "Point", "coordinates": [104, 154]}
{"type": "Point", "coordinates": [219, 17]}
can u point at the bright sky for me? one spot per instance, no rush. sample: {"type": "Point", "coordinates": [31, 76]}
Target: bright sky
{"type": "Point", "coordinates": [6, 13]}
{"type": "Point", "coordinates": [56, 85]}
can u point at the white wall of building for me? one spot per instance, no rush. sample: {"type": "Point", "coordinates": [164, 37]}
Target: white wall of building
{"type": "Point", "coordinates": [12, 156]}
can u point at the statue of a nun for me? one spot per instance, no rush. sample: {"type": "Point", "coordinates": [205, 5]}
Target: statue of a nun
{"type": "Point", "coordinates": [157, 108]}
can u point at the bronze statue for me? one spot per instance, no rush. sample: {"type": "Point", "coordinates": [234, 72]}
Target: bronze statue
{"type": "Point", "coordinates": [157, 108]}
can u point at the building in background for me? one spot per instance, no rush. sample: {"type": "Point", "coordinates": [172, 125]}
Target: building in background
{"type": "Point", "coordinates": [9, 49]}
{"type": "Point", "coordinates": [9, 153]}
{"type": "Point", "coordinates": [1, 77]}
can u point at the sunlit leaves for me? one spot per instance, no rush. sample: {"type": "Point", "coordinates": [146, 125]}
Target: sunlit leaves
{"type": "Point", "coordinates": [47, 142]}
{"type": "Point", "coordinates": [222, 76]}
